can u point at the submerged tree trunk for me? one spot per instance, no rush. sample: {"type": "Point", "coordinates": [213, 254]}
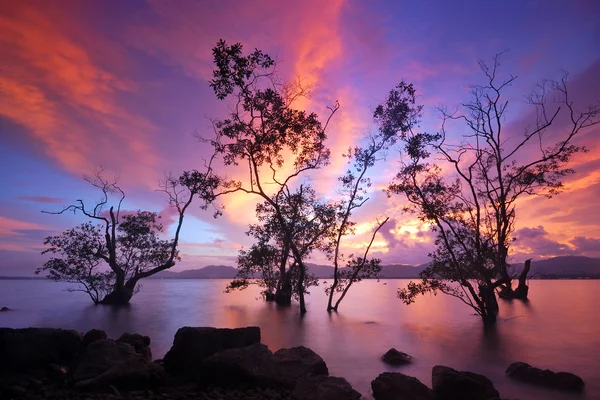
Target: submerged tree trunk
{"type": "Point", "coordinates": [522, 290]}
{"type": "Point", "coordinates": [490, 304]}
{"type": "Point", "coordinates": [122, 292]}
{"type": "Point", "coordinates": [283, 294]}
{"type": "Point", "coordinates": [301, 275]}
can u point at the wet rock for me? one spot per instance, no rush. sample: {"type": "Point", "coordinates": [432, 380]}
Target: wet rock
{"type": "Point", "coordinates": [298, 362]}
{"type": "Point", "coordinates": [324, 388]}
{"type": "Point", "coordinates": [34, 348]}
{"type": "Point", "coordinates": [395, 357]}
{"type": "Point", "coordinates": [253, 364]}
{"type": "Point", "coordinates": [93, 335]}
{"type": "Point", "coordinates": [450, 384]}
{"type": "Point", "coordinates": [140, 344]}
{"type": "Point", "coordinates": [192, 346]}
{"type": "Point", "coordinates": [397, 386]}
{"type": "Point", "coordinates": [4, 309]}
{"type": "Point", "coordinates": [545, 377]}
{"type": "Point", "coordinates": [100, 356]}
{"type": "Point", "coordinates": [131, 374]}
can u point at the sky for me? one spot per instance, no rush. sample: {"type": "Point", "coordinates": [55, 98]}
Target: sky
{"type": "Point", "coordinates": [124, 84]}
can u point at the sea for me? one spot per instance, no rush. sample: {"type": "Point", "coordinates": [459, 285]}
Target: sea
{"type": "Point", "coordinates": [558, 328]}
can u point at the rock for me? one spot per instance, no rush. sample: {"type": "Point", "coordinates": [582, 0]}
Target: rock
{"type": "Point", "coordinates": [56, 373]}
{"type": "Point", "coordinates": [92, 335]}
{"type": "Point", "coordinates": [100, 356]}
{"type": "Point", "coordinates": [545, 377]}
{"type": "Point", "coordinates": [131, 374]}
{"type": "Point", "coordinates": [23, 350]}
{"type": "Point", "coordinates": [449, 384]}
{"type": "Point", "coordinates": [140, 344]}
{"type": "Point", "coordinates": [192, 346]}
{"type": "Point", "coordinates": [395, 357]}
{"type": "Point", "coordinates": [324, 388]}
{"type": "Point", "coordinates": [4, 309]}
{"type": "Point", "coordinates": [253, 364]}
{"type": "Point", "coordinates": [298, 362]}
{"type": "Point", "coordinates": [397, 386]}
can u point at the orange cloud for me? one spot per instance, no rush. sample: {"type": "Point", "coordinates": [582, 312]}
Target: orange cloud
{"type": "Point", "coordinates": [53, 86]}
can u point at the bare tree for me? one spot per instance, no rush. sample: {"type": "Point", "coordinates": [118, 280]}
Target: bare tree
{"type": "Point", "coordinates": [394, 120]}
{"type": "Point", "coordinates": [473, 212]}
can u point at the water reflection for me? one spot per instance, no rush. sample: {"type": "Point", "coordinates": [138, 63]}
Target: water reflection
{"type": "Point", "coordinates": [557, 329]}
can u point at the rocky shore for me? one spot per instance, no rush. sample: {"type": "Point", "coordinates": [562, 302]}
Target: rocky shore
{"type": "Point", "coordinates": [216, 364]}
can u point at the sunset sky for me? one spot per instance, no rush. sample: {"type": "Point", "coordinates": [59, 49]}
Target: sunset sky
{"type": "Point", "coordinates": [124, 84]}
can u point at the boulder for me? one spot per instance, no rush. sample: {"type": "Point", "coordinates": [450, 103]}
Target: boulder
{"type": "Point", "coordinates": [397, 386]}
{"type": "Point", "coordinates": [131, 374]}
{"type": "Point", "coordinates": [93, 335]}
{"type": "Point", "coordinates": [140, 344]}
{"type": "Point", "coordinates": [254, 364]}
{"type": "Point", "coordinates": [100, 356]}
{"type": "Point", "coordinates": [324, 388]}
{"type": "Point", "coordinates": [395, 357]}
{"type": "Point", "coordinates": [298, 362]}
{"type": "Point", "coordinates": [192, 346]}
{"type": "Point", "coordinates": [545, 377]}
{"type": "Point", "coordinates": [4, 309]}
{"type": "Point", "coordinates": [23, 350]}
{"type": "Point", "coordinates": [449, 384]}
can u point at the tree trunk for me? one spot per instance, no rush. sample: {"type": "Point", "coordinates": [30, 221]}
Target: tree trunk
{"type": "Point", "coordinates": [301, 287]}
{"type": "Point", "coordinates": [522, 290]}
{"type": "Point", "coordinates": [490, 304]}
{"type": "Point", "coordinates": [283, 294]}
{"type": "Point", "coordinates": [122, 292]}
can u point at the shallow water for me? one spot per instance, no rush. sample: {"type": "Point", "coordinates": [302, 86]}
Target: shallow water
{"type": "Point", "coordinates": [559, 328]}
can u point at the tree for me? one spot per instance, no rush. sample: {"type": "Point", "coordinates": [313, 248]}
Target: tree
{"type": "Point", "coordinates": [310, 222]}
{"type": "Point", "coordinates": [399, 114]}
{"type": "Point", "coordinates": [473, 212]}
{"type": "Point", "coordinates": [276, 143]}
{"type": "Point", "coordinates": [78, 264]}
{"type": "Point", "coordinates": [109, 259]}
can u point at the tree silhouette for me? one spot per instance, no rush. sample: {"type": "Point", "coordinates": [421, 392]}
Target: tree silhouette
{"type": "Point", "coordinates": [394, 120]}
{"type": "Point", "coordinates": [473, 211]}
{"type": "Point", "coordinates": [274, 142]}
{"type": "Point", "coordinates": [109, 259]}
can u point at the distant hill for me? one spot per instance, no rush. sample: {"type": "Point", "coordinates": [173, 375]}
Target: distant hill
{"type": "Point", "coordinates": [321, 271]}
{"type": "Point", "coordinates": [552, 268]}
{"type": "Point", "coordinates": [564, 267]}
{"type": "Point", "coordinates": [210, 272]}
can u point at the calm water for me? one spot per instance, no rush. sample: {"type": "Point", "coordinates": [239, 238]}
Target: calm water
{"type": "Point", "coordinates": [558, 329]}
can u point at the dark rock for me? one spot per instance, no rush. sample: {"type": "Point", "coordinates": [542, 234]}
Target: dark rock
{"type": "Point", "coordinates": [397, 386]}
{"type": "Point", "coordinates": [100, 356]}
{"type": "Point", "coordinates": [192, 346]}
{"type": "Point", "coordinates": [56, 373]}
{"type": "Point", "coordinates": [4, 309]}
{"type": "Point", "coordinates": [395, 357]}
{"type": "Point", "coordinates": [449, 384]}
{"type": "Point", "coordinates": [131, 374]}
{"type": "Point", "coordinates": [92, 335]}
{"type": "Point", "coordinates": [34, 348]}
{"type": "Point", "coordinates": [545, 377]}
{"type": "Point", "coordinates": [140, 344]}
{"type": "Point", "coordinates": [298, 362]}
{"type": "Point", "coordinates": [253, 364]}
{"type": "Point", "coordinates": [324, 388]}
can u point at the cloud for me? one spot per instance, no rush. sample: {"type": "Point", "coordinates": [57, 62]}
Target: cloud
{"type": "Point", "coordinates": [43, 199]}
{"type": "Point", "coordinates": [70, 103]}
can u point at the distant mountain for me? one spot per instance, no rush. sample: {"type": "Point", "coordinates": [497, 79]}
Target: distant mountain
{"type": "Point", "coordinates": [558, 267]}
{"type": "Point", "coordinates": [321, 271]}
{"type": "Point", "coordinates": [564, 267]}
{"type": "Point", "coordinates": [210, 272]}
